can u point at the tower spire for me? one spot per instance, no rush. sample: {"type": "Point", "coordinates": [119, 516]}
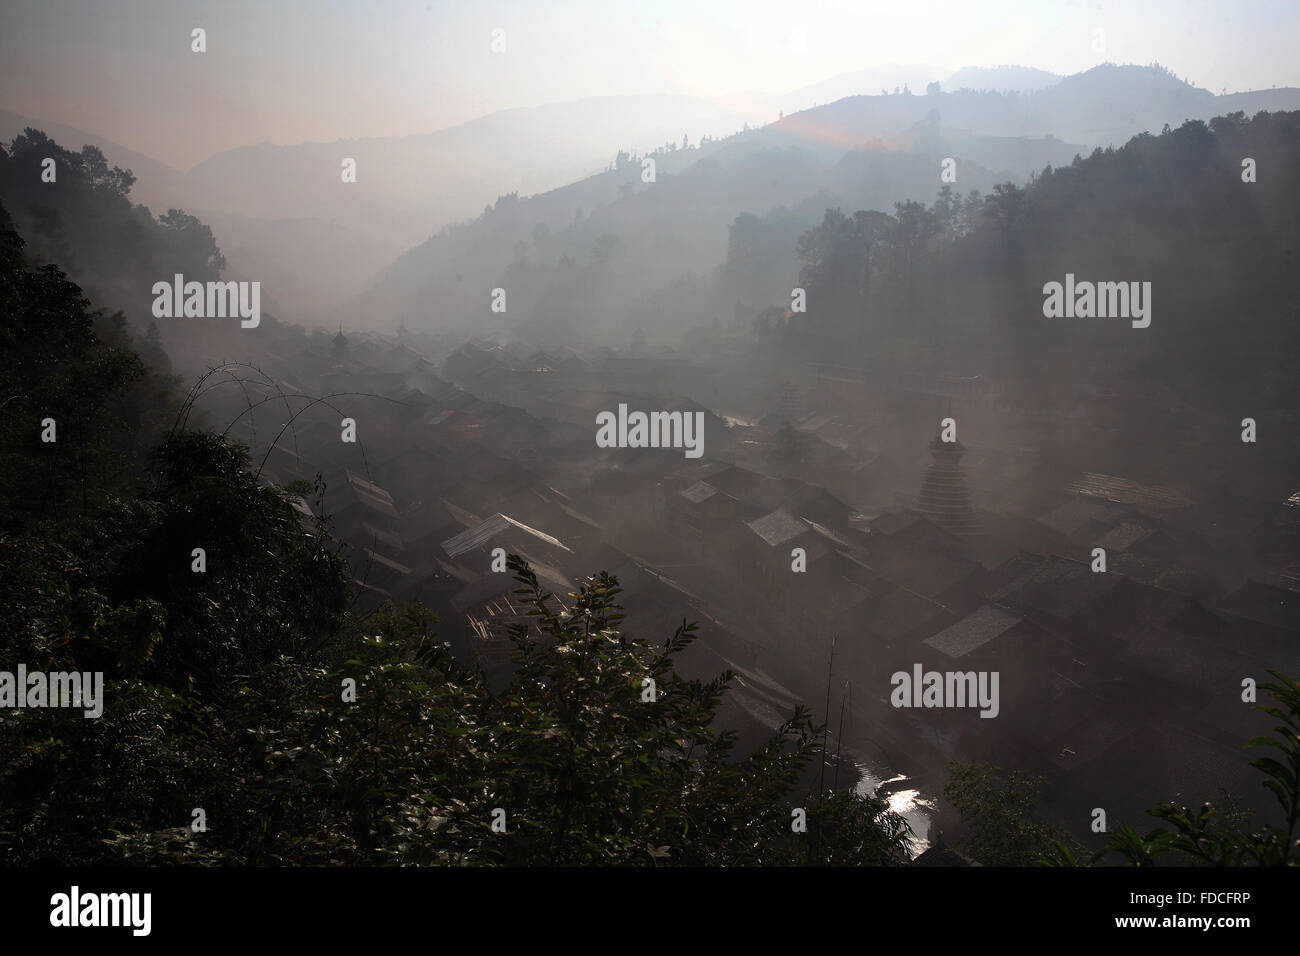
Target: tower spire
{"type": "Point", "coordinates": [944, 498]}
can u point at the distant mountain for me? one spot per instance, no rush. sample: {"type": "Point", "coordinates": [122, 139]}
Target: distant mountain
{"type": "Point", "coordinates": [1108, 104]}
{"type": "Point", "coordinates": [601, 257]}
{"type": "Point", "coordinates": [1104, 106]}
{"type": "Point", "coordinates": [1021, 79]}
{"type": "Point", "coordinates": [617, 254]}
{"type": "Point", "coordinates": [762, 108]}
{"type": "Point", "coordinates": [283, 214]}
{"type": "Point", "coordinates": [409, 186]}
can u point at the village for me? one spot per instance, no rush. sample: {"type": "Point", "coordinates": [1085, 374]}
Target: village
{"type": "Point", "coordinates": [911, 553]}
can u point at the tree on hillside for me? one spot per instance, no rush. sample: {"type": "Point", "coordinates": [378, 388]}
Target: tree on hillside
{"type": "Point", "coordinates": [193, 245]}
{"type": "Point", "coordinates": [914, 227]}
{"type": "Point", "coordinates": [840, 258]}
{"type": "Point", "coordinates": [1005, 206]}
{"type": "Point", "coordinates": [54, 369]}
{"type": "Point", "coordinates": [85, 222]}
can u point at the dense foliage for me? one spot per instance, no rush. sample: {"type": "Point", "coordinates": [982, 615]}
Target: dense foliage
{"type": "Point", "coordinates": [85, 221]}
{"type": "Point", "coordinates": [249, 718]}
{"type": "Point", "coordinates": [977, 263]}
{"type": "Point", "coordinates": [1003, 829]}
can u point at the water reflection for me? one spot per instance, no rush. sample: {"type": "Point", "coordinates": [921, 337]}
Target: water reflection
{"type": "Point", "coordinates": [912, 804]}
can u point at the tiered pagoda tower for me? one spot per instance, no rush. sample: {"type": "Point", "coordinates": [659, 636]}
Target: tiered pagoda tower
{"type": "Point", "coordinates": [944, 499]}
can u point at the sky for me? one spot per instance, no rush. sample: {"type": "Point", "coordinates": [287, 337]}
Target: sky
{"type": "Point", "coordinates": [295, 71]}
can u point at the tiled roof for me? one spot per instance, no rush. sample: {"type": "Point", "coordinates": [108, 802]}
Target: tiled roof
{"type": "Point", "coordinates": [1057, 586]}
{"type": "Point", "coordinates": [386, 562]}
{"type": "Point", "coordinates": [698, 492]}
{"type": "Point", "coordinates": [372, 495]}
{"type": "Point", "coordinates": [974, 631]}
{"type": "Point", "coordinates": [777, 527]}
{"type": "Point", "coordinates": [488, 529]}
{"type": "Point", "coordinates": [1124, 535]}
{"type": "Point", "coordinates": [1077, 512]}
{"type": "Point", "coordinates": [1127, 491]}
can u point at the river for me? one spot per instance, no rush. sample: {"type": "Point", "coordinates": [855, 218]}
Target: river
{"type": "Point", "coordinates": [916, 807]}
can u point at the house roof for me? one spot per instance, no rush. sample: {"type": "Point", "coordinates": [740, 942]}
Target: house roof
{"type": "Point", "coordinates": [1258, 601]}
{"type": "Point", "coordinates": [488, 529]}
{"type": "Point", "coordinates": [1132, 609]}
{"type": "Point", "coordinates": [1127, 491]}
{"type": "Point", "coordinates": [814, 422]}
{"type": "Point", "coordinates": [698, 492]}
{"type": "Point", "coordinates": [467, 518]}
{"type": "Point", "coordinates": [1091, 738]}
{"type": "Point", "coordinates": [892, 522]}
{"type": "Point", "coordinates": [1057, 586]}
{"type": "Point", "coordinates": [697, 471]}
{"type": "Point", "coordinates": [393, 541]}
{"type": "Point", "coordinates": [372, 495]}
{"type": "Point", "coordinates": [1124, 535]}
{"type": "Point", "coordinates": [974, 631]}
{"type": "Point", "coordinates": [388, 563]}
{"type": "Point", "coordinates": [830, 535]}
{"type": "Point", "coordinates": [943, 856]}
{"type": "Point", "coordinates": [777, 527]}
{"type": "Point", "coordinates": [1077, 512]}
{"type": "Point", "coordinates": [898, 613]}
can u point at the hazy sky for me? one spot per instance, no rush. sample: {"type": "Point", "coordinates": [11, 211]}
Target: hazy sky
{"type": "Point", "coordinates": [298, 70]}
